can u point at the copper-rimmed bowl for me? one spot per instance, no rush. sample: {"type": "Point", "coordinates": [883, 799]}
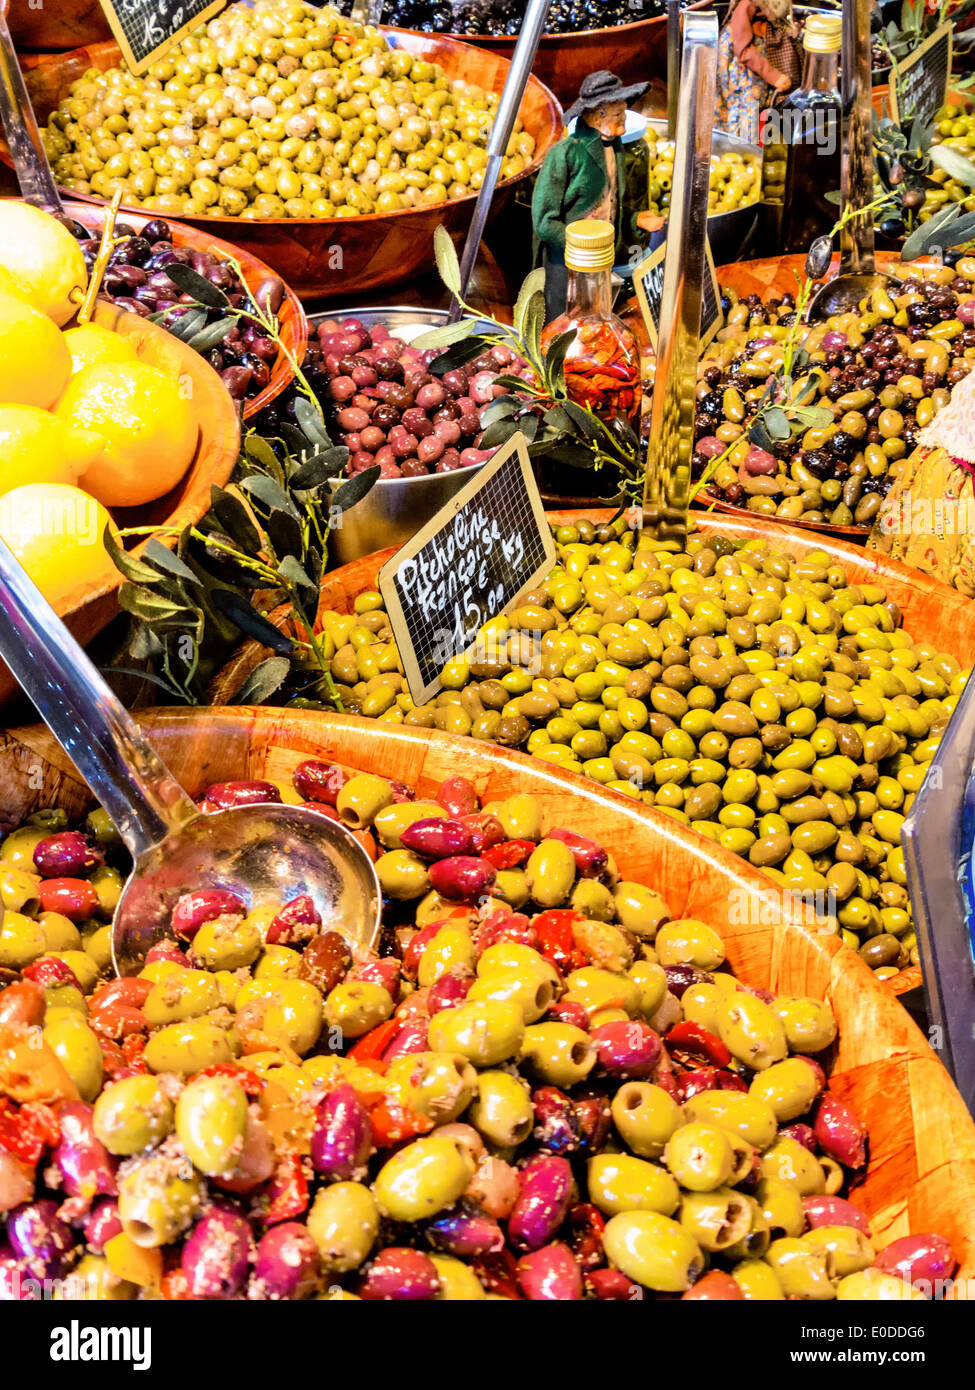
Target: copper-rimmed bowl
{"type": "Point", "coordinates": [343, 255]}
{"type": "Point", "coordinates": [293, 326]}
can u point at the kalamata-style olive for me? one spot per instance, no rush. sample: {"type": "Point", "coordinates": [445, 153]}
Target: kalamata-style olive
{"type": "Point", "coordinates": [221, 796]}
{"type": "Point", "coordinates": [102, 1223]}
{"type": "Point", "coordinates": [342, 1136]}
{"type": "Point", "coordinates": [215, 1255]}
{"type": "Point", "coordinates": [921, 1260]}
{"type": "Point", "coordinates": [287, 1262]}
{"type": "Point", "coordinates": [543, 1200]}
{"type": "Point", "coordinates": [401, 1275]}
{"type": "Point", "coordinates": [192, 910]}
{"type": "Point", "coordinates": [66, 855]}
{"type": "Point", "coordinates": [39, 1237]}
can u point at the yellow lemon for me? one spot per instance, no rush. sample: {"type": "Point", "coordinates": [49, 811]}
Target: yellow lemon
{"type": "Point", "coordinates": [37, 447]}
{"type": "Point", "coordinates": [147, 425]}
{"type": "Point", "coordinates": [56, 531]}
{"type": "Point", "coordinates": [90, 346]}
{"type": "Point", "coordinates": [43, 258]}
{"type": "Point", "coordinates": [34, 360]}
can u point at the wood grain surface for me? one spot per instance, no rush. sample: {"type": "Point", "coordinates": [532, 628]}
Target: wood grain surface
{"type": "Point", "coordinates": [921, 1171]}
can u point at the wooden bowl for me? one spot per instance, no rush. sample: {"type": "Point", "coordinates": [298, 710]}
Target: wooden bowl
{"type": "Point", "coordinates": [921, 1173]}
{"type": "Point", "coordinates": [345, 255]}
{"type": "Point", "coordinates": [932, 611]}
{"type": "Point", "coordinates": [66, 24]}
{"type": "Point", "coordinates": [91, 607]}
{"type": "Point", "coordinates": [293, 326]}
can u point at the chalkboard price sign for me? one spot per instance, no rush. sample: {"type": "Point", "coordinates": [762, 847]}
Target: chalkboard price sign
{"type": "Point", "coordinates": [648, 281]}
{"type": "Point", "coordinates": [922, 80]}
{"type": "Point", "coordinates": [144, 29]}
{"type": "Point", "coordinates": [472, 561]}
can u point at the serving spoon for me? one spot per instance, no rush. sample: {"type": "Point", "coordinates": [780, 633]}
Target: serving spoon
{"type": "Point", "coordinates": [268, 852]}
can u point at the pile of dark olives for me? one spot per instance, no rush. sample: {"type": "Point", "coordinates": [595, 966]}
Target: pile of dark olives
{"type": "Point", "coordinates": [771, 705]}
{"type": "Point", "coordinates": [884, 372]}
{"type": "Point", "coordinates": [497, 18]}
{"type": "Point", "coordinates": [544, 1088]}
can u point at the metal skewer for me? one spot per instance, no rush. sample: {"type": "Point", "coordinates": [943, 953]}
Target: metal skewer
{"type": "Point", "coordinates": [20, 126]}
{"type": "Point", "coordinates": [668, 479]}
{"type": "Point", "coordinates": [673, 65]}
{"type": "Point", "coordinates": [508, 107]}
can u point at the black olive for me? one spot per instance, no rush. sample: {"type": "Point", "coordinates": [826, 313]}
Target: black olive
{"type": "Point", "coordinates": [843, 445]}
{"type": "Point", "coordinates": [818, 257]}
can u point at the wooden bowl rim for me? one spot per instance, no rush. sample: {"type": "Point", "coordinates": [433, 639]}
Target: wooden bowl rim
{"type": "Point", "coordinates": [553, 109]}
{"type": "Point", "coordinates": [823, 528]}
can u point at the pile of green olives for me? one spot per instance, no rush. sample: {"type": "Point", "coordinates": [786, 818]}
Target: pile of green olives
{"type": "Point", "coordinates": [883, 372]}
{"type": "Point", "coordinates": [279, 110]}
{"type": "Point", "coordinates": [545, 1087]}
{"type": "Point", "coordinates": [734, 179]}
{"type": "Point", "coordinates": [771, 705]}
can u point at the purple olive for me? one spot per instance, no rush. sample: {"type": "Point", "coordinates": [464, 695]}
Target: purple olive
{"type": "Point", "coordinates": [921, 1260]}
{"type": "Point", "coordinates": [319, 781]}
{"type": "Point", "coordinates": [222, 796]}
{"type": "Point", "coordinates": [297, 921]}
{"type": "Point", "coordinates": [259, 368]}
{"type": "Point", "coordinates": [216, 1253]}
{"type": "Point", "coordinates": [448, 991]}
{"type": "Point", "coordinates": [411, 1038]}
{"type": "Point", "coordinates": [38, 1235]}
{"type": "Point", "coordinates": [438, 839]}
{"type": "Point", "coordinates": [66, 855]}
{"type": "Point", "coordinates": [556, 1122]}
{"type": "Point", "coordinates": [341, 1141]}
{"type": "Point", "coordinates": [400, 1274]}
{"type": "Point", "coordinates": [269, 295]}
{"type": "Point", "coordinates": [265, 348]}
{"type": "Point", "coordinates": [681, 977]}
{"type": "Point", "coordinates": [102, 1224]}
{"type": "Point", "coordinates": [462, 878]}
{"type": "Point", "coordinates": [759, 461]}
{"type": "Point", "coordinates": [834, 1211]}
{"type": "Point", "coordinates": [839, 1132]}
{"type": "Point", "coordinates": [167, 950]}
{"type": "Point", "coordinates": [204, 905]}
{"type": "Point", "coordinates": [157, 230]}
{"type": "Point", "coordinates": [462, 1232]}
{"type": "Point", "coordinates": [550, 1275]}
{"type": "Point", "coordinates": [287, 1262]}
{"type": "Point", "coordinates": [237, 380]}
{"type": "Point", "coordinates": [628, 1049]}
{"type": "Point", "coordinates": [834, 341]}
{"type": "Point", "coordinates": [87, 1169]}
{"type": "Point", "coordinates": [802, 1134]}
{"type": "Point", "coordinates": [132, 306]}
{"type": "Point", "coordinates": [17, 1284]}
{"type": "Point", "coordinates": [543, 1200]}
{"type": "Point", "coordinates": [591, 859]}
{"type": "Point", "coordinates": [131, 250]}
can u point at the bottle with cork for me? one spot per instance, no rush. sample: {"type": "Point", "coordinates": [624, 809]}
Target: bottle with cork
{"type": "Point", "coordinates": [602, 364]}
{"type": "Point", "coordinates": [803, 146]}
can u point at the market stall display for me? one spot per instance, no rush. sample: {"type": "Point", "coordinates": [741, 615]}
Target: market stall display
{"type": "Point", "coordinates": [360, 215]}
{"type": "Point", "coordinates": [317, 1234]}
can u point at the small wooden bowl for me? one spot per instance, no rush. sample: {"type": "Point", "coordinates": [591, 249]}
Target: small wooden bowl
{"type": "Point", "coordinates": [293, 326]}
{"type": "Point", "coordinates": [343, 256]}
{"type": "Point", "coordinates": [921, 1171]}
{"type": "Point", "coordinates": [91, 607]}
{"type": "Point", "coordinates": [931, 610]}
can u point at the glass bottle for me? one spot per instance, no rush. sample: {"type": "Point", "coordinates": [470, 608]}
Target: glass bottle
{"type": "Point", "coordinates": [811, 125]}
{"type": "Point", "coordinates": [602, 365]}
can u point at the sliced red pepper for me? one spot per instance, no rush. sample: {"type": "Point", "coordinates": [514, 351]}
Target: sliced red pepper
{"type": "Point", "coordinates": [372, 1045]}
{"type": "Point", "coordinates": [511, 854]}
{"type": "Point", "coordinates": [498, 1273]}
{"type": "Point", "coordinates": [252, 1083]}
{"type": "Point", "coordinates": [691, 1037]}
{"type": "Point", "coordinates": [392, 1121]}
{"type": "Point", "coordinates": [132, 1049]}
{"type": "Point", "coordinates": [554, 930]}
{"type": "Point", "coordinates": [26, 1130]}
{"type": "Point", "coordinates": [113, 1058]}
{"type": "Point", "coordinates": [175, 1287]}
{"type": "Point", "coordinates": [287, 1189]}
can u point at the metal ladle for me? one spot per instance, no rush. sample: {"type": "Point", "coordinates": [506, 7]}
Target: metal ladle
{"type": "Point", "coordinates": [261, 853]}
{"type": "Point", "coordinates": [857, 274]}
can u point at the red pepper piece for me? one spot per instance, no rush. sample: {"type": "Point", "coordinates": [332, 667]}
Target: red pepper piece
{"type": "Point", "coordinates": [113, 1058]}
{"type": "Point", "coordinates": [175, 1287]}
{"type": "Point", "coordinates": [287, 1189]}
{"type": "Point", "coordinates": [691, 1037]}
{"type": "Point", "coordinates": [251, 1082]}
{"type": "Point", "coordinates": [26, 1130]}
{"type": "Point", "coordinates": [392, 1121]}
{"type": "Point", "coordinates": [554, 930]}
{"type": "Point", "coordinates": [132, 1049]}
{"type": "Point", "coordinates": [372, 1045]}
{"type": "Point", "coordinates": [509, 855]}
{"type": "Point", "coordinates": [497, 1271]}
{"type": "Point", "coordinates": [585, 1239]}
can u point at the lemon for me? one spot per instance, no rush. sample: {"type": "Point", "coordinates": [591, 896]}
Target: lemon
{"type": "Point", "coordinates": [34, 359]}
{"type": "Point", "coordinates": [43, 258]}
{"type": "Point", "coordinates": [90, 345]}
{"type": "Point", "coordinates": [148, 428]}
{"type": "Point", "coordinates": [37, 447]}
{"type": "Point", "coordinates": [56, 531]}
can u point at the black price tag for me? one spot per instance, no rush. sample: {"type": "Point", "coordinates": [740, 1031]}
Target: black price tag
{"type": "Point", "coordinates": [472, 561]}
{"type": "Point", "coordinates": [920, 83]}
{"type": "Point", "coordinates": [648, 281]}
{"type": "Point", "coordinates": [145, 29]}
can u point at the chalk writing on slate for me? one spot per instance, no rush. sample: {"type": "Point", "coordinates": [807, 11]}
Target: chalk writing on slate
{"type": "Point", "coordinates": [923, 79]}
{"type": "Point", "coordinates": [472, 561]}
{"type": "Point", "coordinates": [144, 29]}
{"type": "Point", "coordinates": [648, 281]}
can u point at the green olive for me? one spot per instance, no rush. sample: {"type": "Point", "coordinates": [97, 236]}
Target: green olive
{"type": "Point", "coordinates": [132, 1114]}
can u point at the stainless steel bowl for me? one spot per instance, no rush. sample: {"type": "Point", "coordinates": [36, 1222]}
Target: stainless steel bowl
{"type": "Point", "coordinates": [395, 508]}
{"type": "Point", "coordinates": [727, 231]}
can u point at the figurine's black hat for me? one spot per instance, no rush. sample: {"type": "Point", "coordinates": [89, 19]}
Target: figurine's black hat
{"type": "Point", "coordinates": [601, 87]}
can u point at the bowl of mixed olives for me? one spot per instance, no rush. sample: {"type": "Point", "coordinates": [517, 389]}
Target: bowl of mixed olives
{"type": "Point", "coordinates": [329, 149]}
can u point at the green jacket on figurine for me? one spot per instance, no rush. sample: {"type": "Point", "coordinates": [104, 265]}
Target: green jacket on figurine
{"type": "Point", "coordinates": [570, 184]}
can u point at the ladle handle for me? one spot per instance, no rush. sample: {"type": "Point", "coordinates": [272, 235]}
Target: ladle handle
{"type": "Point", "coordinates": [91, 725]}
{"type": "Point", "coordinates": [856, 178]}
{"type": "Point", "coordinates": [20, 126]}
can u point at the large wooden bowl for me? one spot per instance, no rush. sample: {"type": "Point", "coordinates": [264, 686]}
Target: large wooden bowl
{"type": "Point", "coordinates": [921, 1173]}
{"type": "Point", "coordinates": [91, 607]}
{"type": "Point", "coordinates": [932, 612]}
{"type": "Point", "coordinates": [293, 326]}
{"type": "Point", "coordinates": [344, 255]}
{"type": "Point", "coordinates": [50, 28]}
{"type": "Point", "coordinates": [856, 535]}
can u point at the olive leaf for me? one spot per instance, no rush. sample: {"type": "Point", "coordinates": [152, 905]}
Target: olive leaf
{"type": "Point", "coordinates": [446, 336]}
{"type": "Point", "coordinates": [235, 518]}
{"type": "Point", "coordinates": [164, 559]}
{"type": "Point", "coordinates": [759, 435]}
{"type": "Point", "coordinates": [954, 163]}
{"type": "Point", "coordinates": [125, 563]}
{"type": "Point", "coordinates": [269, 493]}
{"type": "Point", "coordinates": [354, 489]}
{"type": "Point", "coordinates": [534, 283]}
{"type": "Point", "coordinates": [776, 422]}
{"type": "Point", "coordinates": [260, 451]}
{"type": "Point", "coordinates": [447, 262]}
{"type": "Point", "coordinates": [581, 419]}
{"type": "Point", "coordinates": [555, 360]}
{"type": "Point", "coordinates": [928, 233]}
{"type": "Point", "coordinates": [312, 422]}
{"type": "Point", "coordinates": [211, 335]}
{"type": "Point", "coordinates": [534, 320]}
{"type": "Point", "coordinates": [458, 356]}
{"type": "Point", "coordinates": [319, 467]}
{"type": "Point", "coordinates": [291, 569]}
{"type": "Point", "coordinates": [189, 281]}
{"type": "Point", "coordinates": [188, 325]}
{"type": "Point", "coordinates": [263, 682]}
{"type": "Point", "coordinates": [251, 622]}
{"type": "Point", "coordinates": [499, 433]}
{"type": "Point", "coordinates": [501, 408]}
{"type": "Point", "coordinates": [283, 530]}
